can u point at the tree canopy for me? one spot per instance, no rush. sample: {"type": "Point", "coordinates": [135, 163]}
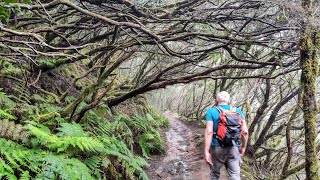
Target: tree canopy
{"type": "Point", "coordinates": [83, 55]}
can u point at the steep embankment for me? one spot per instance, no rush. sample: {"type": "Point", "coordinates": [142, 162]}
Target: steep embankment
{"type": "Point", "coordinates": [183, 159]}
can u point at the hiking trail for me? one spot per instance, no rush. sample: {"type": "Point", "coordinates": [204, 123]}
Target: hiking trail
{"type": "Point", "coordinates": [183, 160]}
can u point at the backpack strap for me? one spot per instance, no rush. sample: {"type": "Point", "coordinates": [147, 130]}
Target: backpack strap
{"type": "Point", "coordinates": [215, 135]}
{"type": "Point", "coordinates": [219, 109]}
{"type": "Point", "coordinates": [232, 109]}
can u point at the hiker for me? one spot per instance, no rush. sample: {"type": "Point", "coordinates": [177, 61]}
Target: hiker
{"type": "Point", "coordinates": [219, 151]}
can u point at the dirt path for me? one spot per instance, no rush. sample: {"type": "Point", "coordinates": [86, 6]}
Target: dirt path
{"type": "Point", "coordinates": [183, 160]}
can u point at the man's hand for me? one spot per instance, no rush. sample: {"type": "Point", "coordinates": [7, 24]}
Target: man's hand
{"type": "Point", "coordinates": [244, 137]}
{"type": "Point", "coordinates": [208, 157]}
{"type": "Point", "coordinates": [208, 140]}
{"type": "Point", "coordinates": [242, 150]}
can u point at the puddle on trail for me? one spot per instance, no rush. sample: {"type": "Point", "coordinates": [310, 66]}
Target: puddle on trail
{"type": "Point", "coordinates": [183, 161]}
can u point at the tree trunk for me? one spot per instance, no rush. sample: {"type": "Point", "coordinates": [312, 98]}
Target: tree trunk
{"type": "Point", "coordinates": [309, 43]}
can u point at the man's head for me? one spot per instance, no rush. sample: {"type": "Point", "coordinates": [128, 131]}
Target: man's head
{"type": "Point", "coordinates": [223, 97]}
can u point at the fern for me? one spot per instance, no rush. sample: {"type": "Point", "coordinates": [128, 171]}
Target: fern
{"type": "Point", "coordinates": [47, 165]}
{"type": "Point", "coordinates": [70, 99]}
{"type": "Point", "coordinates": [54, 149]}
{"type": "Point", "coordinates": [17, 155]}
{"type": "Point", "coordinates": [6, 170]}
{"type": "Point", "coordinates": [4, 114]}
{"type": "Point", "coordinates": [117, 127]}
{"type": "Point", "coordinates": [163, 122]}
{"type": "Point", "coordinates": [25, 176]}
{"type": "Point", "coordinates": [37, 98]}
{"type": "Point", "coordinates": [94, 163]}
{"type": "Point", "coordinates": [61, 144]}
{"type": "Point", "coordinates": [59, 167]}
{"type": "Point", "coordinates": [151, 142]}
{"type": "Point", "coordinates": [24, 94]}
{"type": "Point", "coordinates": [133, 164]}
{"type": "Point", "coordinates": [47, 114]}
{"type": "Point", "coordinates": [11, 161]}
{"type": "Point", "coordinates": [5, 101]}
{"type": "Point", "coordinates": [73, 129]}
{"type": "Point", "coordinates": [6, 67]}
{"type": "Point", "coordinates": [107, 146]}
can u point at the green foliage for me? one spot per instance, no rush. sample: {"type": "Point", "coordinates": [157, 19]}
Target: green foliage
{"type": "Point", "coordinates": [132, 164]}
{"type": "Point", "coordinates": [60, 144]}
{"type": "Point", "coordinates": [217, 56]}
{"type": "Point", "coordinates": [6, 67]}
{"type": "Point", "coordinates": [145, 127]}
{"type": "Point", "coordinates": [25, 176]}
{"type": "Point", "coordinates": [126, 128]}
{"type": "Point", "coordinates": [159, 118]}
{"type": "Point", "coordinates": [23, 94]}
{"type": "Point", "coordinates": [45, 145]}
{"type": "Point", "coordinates": [151, 141]}
{"type": "Point", "coordinates": [45, 164]}
{"type": "Point", "coordinates": [59, 155]}
{"type": "Point", "coordinates": [95, 163]}
{"type": "Point", "coordinates": [4, 114]}
{"type": "Point", "coordinates": [4, 14]}
{"type": "Point", "coordinates": [6, 105]}
{"type": "Point", "coordinates": [73, 129]}
{"type": "Point", "coordinates": [6, 9]}
{"type": "Point", "coordinates": [248, 44]}
{"type": "Point", "coordinates": [6, 170]}
{"type": "Point", "coordinates": [46, 62]}
{"type": "Point", "coordinates": [59, 167]}
{"type": "Point", "coordinates": [282, 17]}
{"type": "Point", "coordinates": [5, 101]}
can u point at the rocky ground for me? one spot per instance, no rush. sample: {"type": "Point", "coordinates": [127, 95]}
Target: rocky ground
{"type": "Point", "coordinates": [183, 160]}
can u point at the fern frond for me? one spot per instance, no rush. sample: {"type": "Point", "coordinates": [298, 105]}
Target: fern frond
{"type": "Point", "coordinates": [17, 155]}
{"type": "Point", "coordinates": [24, 94]}
{"type": "Point", "coordinates": [73, 129]}
{"type": "Point", "coordinates": [151, 142]}
{"type": "Point", "coordinates": [59, 167]}
{"type": "Point", "coordinates": [5, 168]}
{"type": "Point", "coordinates": [11, 160]}
{"type": "Point", "coordinates": [117, 127]}
{"type": "Point", "coordinates": [133, 123]}
{"type": "Point", "coordinates": [130, 162]}
{"type": "Point", "coordinates": [94, 163]}
{"type": "Point", "coordinates": [164, 122]}
{"type": "Point", "coordinates": [4, 114]}
{"type": "Point", "coordinates": [61, 144]}
{"type": "Point", "coordinates": [25, 176]}
{"type": "Point", "coordinates": [45, 164]}
{"type": "Point", "coordinates": [5, 101]}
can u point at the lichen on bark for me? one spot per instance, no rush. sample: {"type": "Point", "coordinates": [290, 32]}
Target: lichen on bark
{"type": "Point", "coordinates": [309, 44]}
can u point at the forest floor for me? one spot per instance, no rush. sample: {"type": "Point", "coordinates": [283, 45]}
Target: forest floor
{"type": "Point", "coordinates": [184, 160]}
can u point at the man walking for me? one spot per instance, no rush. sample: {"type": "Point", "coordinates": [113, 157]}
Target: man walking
{"type": "Point", "coordinates": [217, 155]}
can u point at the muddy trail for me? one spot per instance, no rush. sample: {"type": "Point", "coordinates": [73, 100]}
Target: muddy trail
{"type": "Point", "coordinates": [183, 160]}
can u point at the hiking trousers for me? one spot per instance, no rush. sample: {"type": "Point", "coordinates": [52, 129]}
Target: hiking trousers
{"type": "Point", "coordinates": [224, 156]}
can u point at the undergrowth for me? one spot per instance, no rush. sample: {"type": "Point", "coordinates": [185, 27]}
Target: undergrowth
{"type": "Point", "coordinates": [37, 142]}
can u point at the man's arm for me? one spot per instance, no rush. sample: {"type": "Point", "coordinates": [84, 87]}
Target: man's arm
{"type": "Point", "coordinates": [208, 139]}
{"type": "Point", "coordinates": [244, 137]}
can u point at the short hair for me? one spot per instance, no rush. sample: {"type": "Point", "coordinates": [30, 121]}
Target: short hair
{"type": "Point", "coordinates": [223, 96]}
